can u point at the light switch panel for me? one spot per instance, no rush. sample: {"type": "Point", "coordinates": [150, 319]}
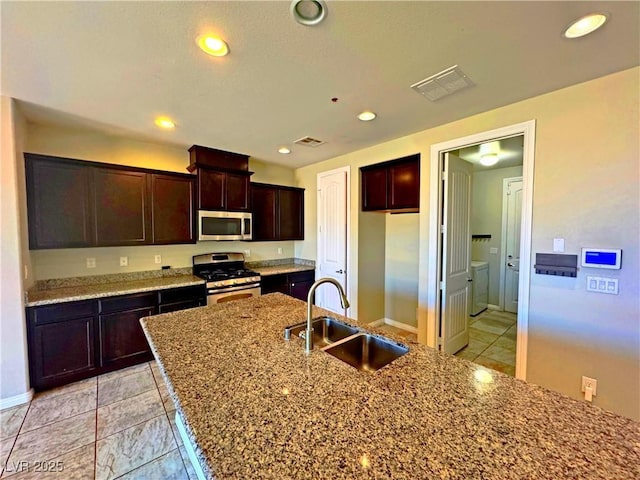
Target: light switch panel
{"type": "Point", "coordinates": [602, 285]}
{"type": "Point", "coordinates": [558, 245]}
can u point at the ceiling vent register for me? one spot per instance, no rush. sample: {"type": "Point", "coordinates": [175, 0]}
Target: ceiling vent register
{"type": "Point", "coordinates": [442, 84]}
{"type": "Point", "coordinates": [309, 142]}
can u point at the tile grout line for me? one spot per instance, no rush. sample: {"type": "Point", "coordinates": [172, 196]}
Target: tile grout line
{"type": "Point", "coordinates": [95, 435]}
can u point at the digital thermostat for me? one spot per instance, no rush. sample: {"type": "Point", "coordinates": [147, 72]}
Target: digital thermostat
{"type": "Point", "coordinates": [602, 258]}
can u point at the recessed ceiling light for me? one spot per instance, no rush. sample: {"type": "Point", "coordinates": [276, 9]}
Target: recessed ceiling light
{"type": "Point", "coordinates": [284, 150]}
{"type": "Point", "coordinates": [213, 45]}
{"type": "Point", "coordinates": [308, 12]}
{"type": "Point", "coordinates": [165, 122]}
{"type": "Point", "coordinates": [366, 116]}
{"type": "Point", "coordinates": [585, 25]}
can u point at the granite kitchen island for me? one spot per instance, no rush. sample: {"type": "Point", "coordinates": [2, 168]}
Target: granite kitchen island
{"type": "Point", "coordinates": [255, 406]}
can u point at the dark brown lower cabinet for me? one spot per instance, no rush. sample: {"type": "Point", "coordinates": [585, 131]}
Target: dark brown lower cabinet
{"type": "Point", "coordinates": [295, 284]}
{"type": "Point", "coordinates": [122, 341]}
{"type": "Point", "coordinates": [71, 341]}
{"type": "Point", "coordinates": [61, 341]}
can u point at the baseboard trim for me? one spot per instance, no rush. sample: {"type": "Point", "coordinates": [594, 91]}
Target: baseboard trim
{"type": "Point", "coordinates": [393, 323]}
{"type": "Point", "coordinates": [16, 400]}
{"type": "Point", "coordinates": [377, 323]}
{"type": "Point", "coordinates": [494, 307]}
{"type": "Point", "coordinates": [400, 325]}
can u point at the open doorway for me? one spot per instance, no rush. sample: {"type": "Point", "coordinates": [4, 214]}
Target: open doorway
{"type": "Point", "coordinates": [495, 214]}
{"type": "Point", "coordinates": [436, 301]}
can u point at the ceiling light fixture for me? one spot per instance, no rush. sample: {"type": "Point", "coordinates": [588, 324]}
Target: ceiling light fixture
{"type": "Point", "coordinates": [308, 12]}
{"type": "Point", "coordinates": [585, 25]}
{"type": "Point", "coordinates": [165, 122]}
{"type": "Point", "coordinates": [213, 45]}
{"type": "Point", "coordinates": [284, 150]}
{"type": "Point", "coordinates": [366, 116]}
{"type": "Point", "coordinates": [489, 159]}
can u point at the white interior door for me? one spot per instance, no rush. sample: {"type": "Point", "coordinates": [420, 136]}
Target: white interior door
{"type": "Point", "coordinates": [512, 217]}
{"type": "Point", "coordinates": [332, 236]}
{"type": "Point", "coordinates": [456, 254]}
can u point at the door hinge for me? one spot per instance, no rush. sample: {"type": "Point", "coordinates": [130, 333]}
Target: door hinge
{"type": "Point", "coordinates": [443, 229]}
{"type": "Point", "coordinates": [441, 285]}
{"type": "Point", "coordinates": [439, 343]}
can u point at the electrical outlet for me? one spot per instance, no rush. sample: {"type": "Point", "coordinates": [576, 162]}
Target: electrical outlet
{"type": "Point", "coordinates": [247, 253]}
{"type": "Point", "coordinates": [124, 261]}
{"type": "Point", "coordinates": [91, 263]}
{"type": "Point", "coordinates": [589, 387]}
{"type": "Point", "coordinates": [157, 259]}
{"type": "Point", "coordinates": [279, 251]}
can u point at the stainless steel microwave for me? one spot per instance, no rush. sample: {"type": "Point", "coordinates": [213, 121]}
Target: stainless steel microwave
{"type": "Point", "coordinates": [224, 225]}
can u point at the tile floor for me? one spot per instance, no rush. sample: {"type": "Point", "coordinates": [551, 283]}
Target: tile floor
{"type": "Point", "coordinates": [118, 425]}
{"type": "Point", "coordinates": [492, 340]}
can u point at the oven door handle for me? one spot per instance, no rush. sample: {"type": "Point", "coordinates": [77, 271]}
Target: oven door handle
{"type": "Point", "coordinates": [246, 286]}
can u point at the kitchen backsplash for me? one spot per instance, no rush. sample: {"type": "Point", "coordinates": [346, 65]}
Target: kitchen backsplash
{"type": "Point", "coordinates": [65, 263]}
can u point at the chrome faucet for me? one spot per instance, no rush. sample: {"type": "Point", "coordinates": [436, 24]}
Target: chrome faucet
{"type": "Point", "coordinates": [308, 335]}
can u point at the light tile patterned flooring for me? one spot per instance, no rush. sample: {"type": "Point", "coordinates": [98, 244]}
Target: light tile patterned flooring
{"type": "Point", "coordinates": [118, 425]}
{"type": "Point", "coordinates": [492, 340]}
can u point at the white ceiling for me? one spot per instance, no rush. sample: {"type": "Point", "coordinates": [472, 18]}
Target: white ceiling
{"type": "Point", "coordinates": [114, 66]}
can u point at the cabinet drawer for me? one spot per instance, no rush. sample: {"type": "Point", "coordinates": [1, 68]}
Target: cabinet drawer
{"type": "Point", "coordinates": [63, 311]}
{"type": "Point", "coordinates": [128, 302]}
{"type": "Point", "coordinates": [302, 276]}
{"type": "Point", "coordinates": [173, 295]}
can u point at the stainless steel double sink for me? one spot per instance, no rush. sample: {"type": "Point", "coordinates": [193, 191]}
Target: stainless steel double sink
{"type": "Point", "coordinates": [361, 350]}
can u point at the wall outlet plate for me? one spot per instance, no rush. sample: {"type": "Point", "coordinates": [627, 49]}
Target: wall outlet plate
{"type": "Point", "coordinates": [590, 382]}
{"type": "Point", "coordinates": [91, 262]}
{"type": "Point", "coordinates": [157, 259]}
{"type": "Point", "coordinates": [124, 261]}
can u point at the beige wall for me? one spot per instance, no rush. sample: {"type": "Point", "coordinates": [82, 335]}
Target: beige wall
{"type": "Point", "coordinates": [14, 376]}
{"type": "Point", "coordinates": [371, 269]}
{"type": "Point", "coordinates": [586, 190]}
{"type": "Point", "coordinates": [94, 146]}
{"type": "Point", "coordinates": [401, 266]}
{"type": "Point", "coordinates": [486, 217]}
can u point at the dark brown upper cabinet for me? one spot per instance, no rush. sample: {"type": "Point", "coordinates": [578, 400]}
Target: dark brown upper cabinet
{"type": "Point", "coordinates": [75, 203]}
{"type": "Point", "coordinates": [223, 179]}
{"type": "Point", "coordinates": [121, 207]}
{"type": "Point", "coordinates": [172, 209]}
{"type": "Point", "coordinates": [278, 212]}
{"type": "Point", "coordinates": [58, 203]}
{"type": "Point", "coordinates": [392, 186]}
{"type": "Point", "coordinates": [218, 190]}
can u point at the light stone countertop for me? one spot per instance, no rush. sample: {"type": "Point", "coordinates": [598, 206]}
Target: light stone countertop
{"type": "Point", "coordinates": [255, 406]}
{"type": "Point", "coordinates": [47, 296]}
{"type": "Point", "coordinates": [280, 269]}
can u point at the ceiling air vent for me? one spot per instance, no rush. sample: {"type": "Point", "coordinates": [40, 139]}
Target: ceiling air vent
{"type": "Point", "coordinates": [442, 84]}
{"type": "Point", "coordinates": [309, 142]}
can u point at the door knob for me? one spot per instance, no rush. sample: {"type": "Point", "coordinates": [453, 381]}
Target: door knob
{"type": "Point", "coordinates": [510, 264]}
{"type": "Point", "coordinates": [469, 279]}
{"type": "Point", "coordinates": [340, 271]}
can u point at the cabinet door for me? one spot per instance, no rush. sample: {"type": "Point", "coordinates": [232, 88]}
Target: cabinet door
{"type": "Point", "coordinates": [61, 352]}
{"type": "Point", "coordinates": [122, 341]}
{"type": "Point", "coordinates": [404, 185]}
{"type": "Point", "coordinates": [59, 204]}
{"type": "Point", "coordinates": [211, 185]}
{"type": "Point", "coordinates": [121, 208]}
{"type": "Point", "coordinates": [237, 192]}
{"type": "Point", "coordinates": [274, 283]}
{"type": "Point", "coordinates": [374, 188]}
{"type": "Point", "coordinates": [172, 214]}
{"type": "Point", "coordinates": [263, 208]}
{"type": "Point", "coordinates": [291, 214]}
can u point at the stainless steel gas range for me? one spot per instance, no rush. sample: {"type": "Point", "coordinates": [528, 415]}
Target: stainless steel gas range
{"type": "Point", "coordinates": [226, 276]}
